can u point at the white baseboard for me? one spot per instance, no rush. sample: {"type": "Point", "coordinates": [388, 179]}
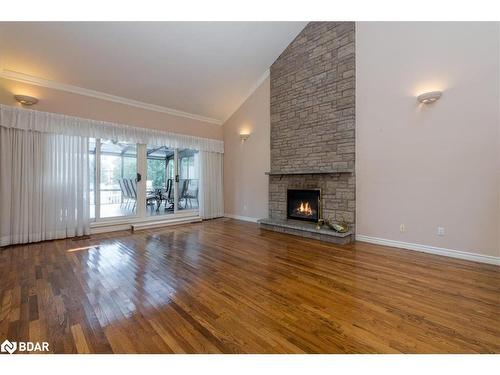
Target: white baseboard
{"type": "Point", "coordinates": [244, 218]}
{"type": "Point", "coordinates": [431, 249]}
{"type": "Point", "coordinates": [149, 223]}
{"type": "Point", "coordinates": [110, 228]}
{"type": "Point", "coordinates": [164, 223]}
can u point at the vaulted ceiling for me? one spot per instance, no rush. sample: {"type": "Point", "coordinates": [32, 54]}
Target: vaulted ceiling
{"type": "Point", "coordinates": [202, 68]}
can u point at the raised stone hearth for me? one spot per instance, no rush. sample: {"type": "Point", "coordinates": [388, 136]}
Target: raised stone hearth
{"type": "Point", "coordinates": [313, 128]}
{"type": "Point", "coordinates": [305, 229]}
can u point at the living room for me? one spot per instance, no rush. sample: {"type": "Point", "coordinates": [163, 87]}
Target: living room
{"type": "Point", "coordinates": [277, 187]}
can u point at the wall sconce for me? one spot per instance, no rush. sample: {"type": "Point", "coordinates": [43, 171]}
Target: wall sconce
{"type": "Point", "coordinates": [26, 100]}
{"type": "Point", "coordinates": [429, 97]}
{"type": "Point", "coordinates": [244, 137]}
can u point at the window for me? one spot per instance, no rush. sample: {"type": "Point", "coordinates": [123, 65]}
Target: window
{"type": "Point", "coordinates": [170, 168]}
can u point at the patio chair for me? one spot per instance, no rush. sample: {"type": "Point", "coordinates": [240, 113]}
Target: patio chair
{"type": "Point", "coordinates": [123, 191]}
{"type": "Point", "coordinates": [132, 191]}
{"type": "Point", "coordinates": [191, 193]}
{"type": "Point", "coordinates": [169, 195]}
{"type": "Point", "coordinates": [152, 198]}
{"type": "Point", "coordinates": [183, 192]}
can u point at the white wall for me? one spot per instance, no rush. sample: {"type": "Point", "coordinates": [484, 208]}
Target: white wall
{"type": "Point", "coordinates": [66, 103]}
{"type": "Point", "coordinates": [429, 165]}
{"type": "Point", "coordinates": [498, 170]}
{"type": "Point", "coordinates": [246, 187]}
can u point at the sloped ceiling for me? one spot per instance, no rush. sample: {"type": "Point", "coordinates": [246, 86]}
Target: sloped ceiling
{"type": "Point", "coordinates": [202, 68]}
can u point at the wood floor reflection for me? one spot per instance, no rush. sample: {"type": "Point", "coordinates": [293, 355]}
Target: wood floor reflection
{"type": "Point", "coordinates": [225, 286]}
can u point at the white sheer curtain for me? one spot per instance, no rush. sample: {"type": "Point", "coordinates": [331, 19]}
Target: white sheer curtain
{"type": "Point", "coordinates": [211, 184]}
{"type": "Point", "coordinates": [44, 189]}
{"type": "Point", "coordinates": [46, 122]}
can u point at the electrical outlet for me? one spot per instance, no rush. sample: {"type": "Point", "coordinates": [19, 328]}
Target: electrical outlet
{"type": "Point", "coordinates": [402, 228]}
{"type": "Point", "coordinates": [440, 231]}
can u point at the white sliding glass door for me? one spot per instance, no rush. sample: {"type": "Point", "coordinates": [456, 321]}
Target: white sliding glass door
{"type": "Point", "coordinates": [160, 180]}
{"type": "Point", "coordinates": [189, 179]}
{"type": "Point", "coordinates": [118, 179]}
{"type": "Point", "coordinates": [137, 181]}
{"type": "Point", "coordinates": [113, 182]}
{"type": "Point", "coordinates": [92, 177]}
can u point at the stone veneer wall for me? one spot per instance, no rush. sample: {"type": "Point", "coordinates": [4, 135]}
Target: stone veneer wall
{"type": "Point", "coordinates": [313, 118]}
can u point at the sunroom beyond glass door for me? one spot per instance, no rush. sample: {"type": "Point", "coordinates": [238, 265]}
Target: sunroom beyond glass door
{"type": "Point", "coordinates": [189, 179]}
{"type": "Point", "coordinates": [160, 180]}
{"type": "Point", "coordinates": [118, 179]}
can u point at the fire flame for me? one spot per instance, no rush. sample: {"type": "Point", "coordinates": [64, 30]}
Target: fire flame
{"type": "Point", "coordinates": [305, 208]}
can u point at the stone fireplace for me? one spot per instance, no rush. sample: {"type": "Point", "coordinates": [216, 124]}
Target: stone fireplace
{"type": "Point", "coordinates": [313, 129]}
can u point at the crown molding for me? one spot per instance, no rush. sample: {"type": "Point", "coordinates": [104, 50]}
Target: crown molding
{"type": "Point", "coordinates": [25, 78]}
{"type": "Point", "coordinates": [252, 89]}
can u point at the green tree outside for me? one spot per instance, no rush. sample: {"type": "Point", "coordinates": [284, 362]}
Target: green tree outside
{"type": "Point", "coordinates": [157, 172]}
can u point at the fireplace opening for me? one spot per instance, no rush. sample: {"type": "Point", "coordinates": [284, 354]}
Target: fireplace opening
{"type": "Point", "coordinates": [303, 204]}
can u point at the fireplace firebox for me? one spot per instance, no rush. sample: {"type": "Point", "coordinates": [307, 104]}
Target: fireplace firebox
{"type": "Point", "coordinates": [303, 204]}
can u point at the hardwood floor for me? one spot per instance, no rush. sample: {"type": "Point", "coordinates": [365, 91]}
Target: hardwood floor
{"type": "Point", "coordinates": [225, 286]}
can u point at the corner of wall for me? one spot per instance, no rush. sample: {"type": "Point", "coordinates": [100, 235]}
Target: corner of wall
{"type": "Point", "coordinates": [245, 163]}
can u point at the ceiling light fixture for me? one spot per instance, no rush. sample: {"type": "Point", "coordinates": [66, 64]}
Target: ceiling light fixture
{"type": "Point", "coordinates": [25, 99]}
{"type": "Point", "coordinates": [429, 97]}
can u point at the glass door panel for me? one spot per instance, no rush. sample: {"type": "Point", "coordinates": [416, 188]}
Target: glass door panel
{"type": "Point", "coordinates": [188, 187]}
{"type": "Point", "coordinates": [160, 181]}
{"type": "Point", "coordinates": [118, 179]}
{"type": "Point", "coordinates": [92, 176]}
